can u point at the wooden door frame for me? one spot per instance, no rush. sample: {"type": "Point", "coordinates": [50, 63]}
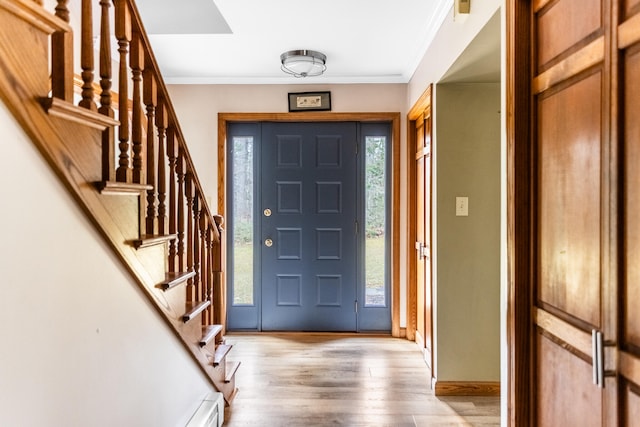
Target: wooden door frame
{"type": "Point", "coordinates": [519, 216]}
{"type": "Point", "coordinates": [389, 117]}
{"type": "Point", "coordinates": [416, 112]}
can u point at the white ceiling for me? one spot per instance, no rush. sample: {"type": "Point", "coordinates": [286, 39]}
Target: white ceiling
{"type": "Point", "coordinates": [240, 41]}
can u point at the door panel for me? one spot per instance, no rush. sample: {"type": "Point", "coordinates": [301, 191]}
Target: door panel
{"type": "Point", "coordinates": [569, 145]}
{"type": "Point", "coordinates": [574, 166]}
{"type": "Point", "coordinates": [424, 313]}
{"type": "Point", "coordinates": [308, 174]}
{"type": "Point", "coordinates": [571, 195]}
{"type": "Point", "coordinates": [632, 199]}
{"type": "Point", "coordinates": [558, 371]}
{"type": "Point", "coordinates": [586, 233]}
{"type": "Point", "coordinates": [578, 20]}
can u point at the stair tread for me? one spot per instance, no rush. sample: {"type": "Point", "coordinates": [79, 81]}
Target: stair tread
{"type": "Point", "coordinates": [231, 368]}
{"type": "Point", "coordinates": [192, 309]}
{"type": "Point", "coordinates": [173, 279]}
{"type": "Point", "coordinates": [146, 240]}
{"type": "Point", "coordinates": [221, 352]}
{"type": "Point", "coordinates": [68, 111]}
{"type": "Point", "coordinates": [121, 188]}
{"type": "Point", "coordinates": [208, 333]}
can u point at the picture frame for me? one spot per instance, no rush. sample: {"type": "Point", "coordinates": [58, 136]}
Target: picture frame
{"type": "Point", "coordinates": [309, 101]}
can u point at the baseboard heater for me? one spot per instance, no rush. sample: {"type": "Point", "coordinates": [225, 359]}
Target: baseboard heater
{"type": "Point", "coordinates": [210, 413]}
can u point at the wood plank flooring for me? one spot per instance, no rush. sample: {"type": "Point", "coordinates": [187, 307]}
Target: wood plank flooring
{"type": "Point", "coordinates": [334, 379]}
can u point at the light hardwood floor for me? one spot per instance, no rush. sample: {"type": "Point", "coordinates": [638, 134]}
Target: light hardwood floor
{"type": "Point", "coordinates": [351, 380]}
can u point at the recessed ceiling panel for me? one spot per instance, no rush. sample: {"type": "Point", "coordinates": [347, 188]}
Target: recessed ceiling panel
{"type": "Point", "coordinates": [183, 17]}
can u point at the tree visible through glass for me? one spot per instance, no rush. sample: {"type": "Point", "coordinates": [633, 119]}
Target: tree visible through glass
{"type": "Point", "coordinates": [242, 166]}
{"type": "Point", "coordinates": [375, 220]}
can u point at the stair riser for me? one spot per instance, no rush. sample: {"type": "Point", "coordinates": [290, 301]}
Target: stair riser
{"type": "Point", "coordinates": [35, 59]}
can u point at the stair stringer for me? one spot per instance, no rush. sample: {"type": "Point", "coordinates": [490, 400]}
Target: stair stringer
{"type": "Point", "coordinates": [73, 150]}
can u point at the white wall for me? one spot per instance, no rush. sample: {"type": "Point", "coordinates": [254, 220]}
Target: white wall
{"type": "Point", "coordinates": [452, 38]}
{"type": "Point", "coordinates": [81, 345]}
{"type": "Point", "coordinates": [197, 107]}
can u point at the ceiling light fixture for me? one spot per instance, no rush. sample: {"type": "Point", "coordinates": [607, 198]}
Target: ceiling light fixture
{"type": "Point", "coordinates": [303, 63]}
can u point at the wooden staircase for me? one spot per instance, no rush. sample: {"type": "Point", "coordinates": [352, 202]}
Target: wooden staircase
{"type": "Point", "coordinates": [123, 158]}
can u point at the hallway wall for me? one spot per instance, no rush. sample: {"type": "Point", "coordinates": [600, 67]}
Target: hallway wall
{"type": "Point", "coordinates": [467, 281]}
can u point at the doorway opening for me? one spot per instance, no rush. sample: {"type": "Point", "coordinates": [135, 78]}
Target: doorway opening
{"type": "Point", "coordinates": [289, 266]}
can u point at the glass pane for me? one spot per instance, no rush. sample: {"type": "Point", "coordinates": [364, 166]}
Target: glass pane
{"type": "Point", "coordinates": [242, 166]}
{"type": "Point", "coordinates": [375, 221]}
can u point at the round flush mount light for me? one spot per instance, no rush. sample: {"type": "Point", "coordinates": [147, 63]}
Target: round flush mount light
{"type": "Point", "coordinates": [303, 63]}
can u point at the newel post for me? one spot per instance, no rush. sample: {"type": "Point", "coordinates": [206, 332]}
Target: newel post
{"type": "Point", "coordinates": [219, 291]}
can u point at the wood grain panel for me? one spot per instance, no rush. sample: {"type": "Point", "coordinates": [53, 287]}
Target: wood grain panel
{"type": "Point", "coordinates": [569, 197]}
{"type": "Point", "coordinates": [343, 379]}
{"type": "Point", "coordinates": [565, 388]}
{"type": "Point", "coordinates": [519, 212]}
{"type": "Point", "coordinates": [630, 410]}
{"type": "Point", "coordinates": [578, 19]}
{"type": "Point", "coordinates": [629, 32]}
{"type": "Point", "coordinates": [587, 57]}
{"type": "Point", "coordinates": [631, 7]}
{"type": "Point", "coordinates": [630, 367]}
{"type": "Point", "coordinates": [573, 336]}
{"type": "Point", "coordinates": [467, 388]}
{"type": "Point", "coordinates": [632, 198]}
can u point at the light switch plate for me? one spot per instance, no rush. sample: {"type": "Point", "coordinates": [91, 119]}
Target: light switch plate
{"type": "Point", "coordinates": [462, 206]}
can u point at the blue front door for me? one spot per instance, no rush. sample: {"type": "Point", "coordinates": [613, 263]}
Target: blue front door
{"type": "Point", "coordinates": [308, 216]}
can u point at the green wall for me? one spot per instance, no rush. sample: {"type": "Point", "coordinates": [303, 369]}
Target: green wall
{"type": "Point", "coordinates": [467, 258]}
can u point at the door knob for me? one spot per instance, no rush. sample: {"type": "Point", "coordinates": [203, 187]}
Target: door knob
{"type": "Point", "coordinates": [267, 212]}
{"type": "Point", "coordinates": [268, 243]}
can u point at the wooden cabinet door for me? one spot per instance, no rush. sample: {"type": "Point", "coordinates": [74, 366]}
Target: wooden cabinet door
{"type": "Point", "coordinates": [573, 245]}
{"type": "Point", "coordinates": [628, 37]}
{"type": "Point", "coordinates": [423, 236]}
{"type": "Point", "coordinates": [583, 72]}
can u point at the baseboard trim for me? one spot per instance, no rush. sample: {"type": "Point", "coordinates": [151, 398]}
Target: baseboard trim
{"type": "Point", "coordinates": [466, 388]}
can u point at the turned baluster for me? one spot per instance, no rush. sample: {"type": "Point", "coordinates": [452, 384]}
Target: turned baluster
{"type": "Point", "coordinates": [150, 94]}
{"type": "Point", "coordinates": [62, 57]}
{"type": "Point", "coordinates": [123, 35]}
{"type": "Point", "coordinates": [171, 154]}
{"type": "Point", "coordinates": [210, 274]}
{"type": "Point", "coordinates": [189, 231]}
{"type": "Point", "coordinates": [161, 125]}
{"type": "Point", "coordinates": [180, 214]}
{"type": "Point", "coordinates": [196, 244]}
{"type": "Point", "coordinates": [204, 265]}
{"type": "Point", "coordinates": [137, 65]}
{"type": "Point", "coordinates": [86, 57]}
{"type": "Point", "coordinates": [108, 149]}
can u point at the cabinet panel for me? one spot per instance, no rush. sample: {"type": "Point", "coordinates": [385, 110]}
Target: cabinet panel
{"type": "Point", "coordinates": [569, 139]}
{"type": "Point", "coordinates": [566, 395]}
{"type": "Point", "coordinates": [577, 19]}
{"type": "Point", "coordinates": [632, 198]}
